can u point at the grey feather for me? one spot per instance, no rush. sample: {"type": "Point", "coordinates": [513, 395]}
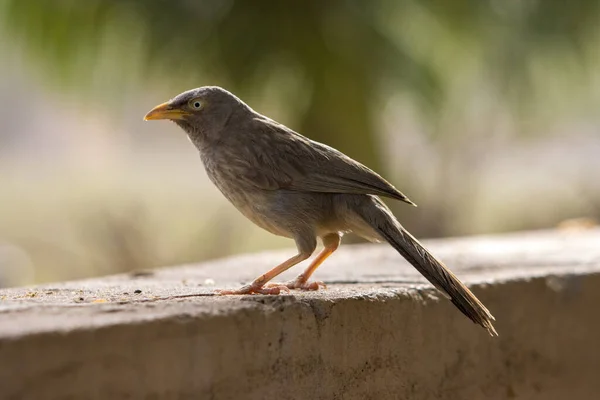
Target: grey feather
{"type": "Point", "coordinates": [297, 163]}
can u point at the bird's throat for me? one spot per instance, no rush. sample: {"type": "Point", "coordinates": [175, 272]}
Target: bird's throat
{"type": "Point", "coordinates": [195, 134]}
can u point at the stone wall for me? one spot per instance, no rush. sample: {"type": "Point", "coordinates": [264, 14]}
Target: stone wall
{"type": "Point", "coordinates": [378, 331]}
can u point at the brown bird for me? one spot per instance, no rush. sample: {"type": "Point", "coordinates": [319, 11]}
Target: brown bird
{"type": "Point", "coordinates": [301, 189]}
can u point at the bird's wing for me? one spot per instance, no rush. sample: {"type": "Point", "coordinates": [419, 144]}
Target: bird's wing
{"type": "Point", "coordinates": [298, 163]}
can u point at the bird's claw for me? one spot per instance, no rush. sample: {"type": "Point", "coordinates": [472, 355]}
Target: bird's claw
{"type": "Point", "coordinates": [314, 285]}
{"type": "Point", "coordinates": [250, 289]}
{"type": "Point", "coordinates": [299, 284]}
{"type": "Point", "coordinates": [274, 288]}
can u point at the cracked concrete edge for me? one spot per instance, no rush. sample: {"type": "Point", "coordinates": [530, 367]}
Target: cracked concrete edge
{"type": "Point", "coordinates": [350, 348]}
{"type": "Point", "coordinates": [353, 341]}
{"type": "Point", "coordinates": [374, 270]}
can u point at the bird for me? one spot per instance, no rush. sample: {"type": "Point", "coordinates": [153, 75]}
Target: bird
{"type": "Point", "coordinates": [301, 189]}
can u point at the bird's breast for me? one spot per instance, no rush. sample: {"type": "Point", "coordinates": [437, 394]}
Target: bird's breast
{"type": "Point", "coordinates": [252, 202]}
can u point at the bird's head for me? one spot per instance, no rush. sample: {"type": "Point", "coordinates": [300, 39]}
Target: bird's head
{"type": "Point", "coordinates": [202, 111]}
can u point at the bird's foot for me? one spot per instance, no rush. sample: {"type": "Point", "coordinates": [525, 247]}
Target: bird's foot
{"type": "Point", "coordinates": [253, 289]}
{"type": "Point", "coordinates": [299, 284]}
{"type": "Point", "coordinates": [314, 285]}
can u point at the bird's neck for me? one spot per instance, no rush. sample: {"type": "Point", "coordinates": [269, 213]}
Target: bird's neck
{"type": "Point", "coordinates": [202, 137]}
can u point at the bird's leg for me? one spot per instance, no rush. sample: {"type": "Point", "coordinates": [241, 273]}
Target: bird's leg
{"type": "Point", "coordinates": [258, 285]}
{"type": "Point", "coordinates": [331, 243]}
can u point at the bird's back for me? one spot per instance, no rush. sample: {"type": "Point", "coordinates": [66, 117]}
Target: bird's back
{"type": "Point", "coordinates": [265, 154]}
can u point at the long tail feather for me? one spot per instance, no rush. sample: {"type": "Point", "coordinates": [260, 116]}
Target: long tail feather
{"type": "Point", "coordinates": [378, 216]}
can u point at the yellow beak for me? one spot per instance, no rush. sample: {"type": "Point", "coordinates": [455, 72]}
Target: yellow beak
{"type": "Point", "coordinates": [165, 111]}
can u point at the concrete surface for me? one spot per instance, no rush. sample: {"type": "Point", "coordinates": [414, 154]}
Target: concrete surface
{"type": "Point", "coordinates": [377, 332]}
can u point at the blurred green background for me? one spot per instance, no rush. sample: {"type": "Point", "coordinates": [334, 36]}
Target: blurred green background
{"type": "Point", "coordinates": [485, 113]}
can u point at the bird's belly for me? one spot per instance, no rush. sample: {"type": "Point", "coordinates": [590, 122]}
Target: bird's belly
{"type": "Point", "coordinates": [264, 220]}
{"type": "Point", "coordinates": [281, 212]}
{"type": "Point", "coordinates": [256, 206]}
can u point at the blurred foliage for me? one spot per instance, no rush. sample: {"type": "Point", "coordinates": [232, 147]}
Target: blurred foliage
{"type": "Point", "coordinates": [332, 58]}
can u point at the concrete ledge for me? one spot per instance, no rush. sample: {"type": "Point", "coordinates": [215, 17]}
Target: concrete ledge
{"type": "Point", "coordinates": [377, 332]}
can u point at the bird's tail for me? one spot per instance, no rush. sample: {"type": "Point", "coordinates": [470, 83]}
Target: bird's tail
{"type": "Point", "coordinates": [380, 218]}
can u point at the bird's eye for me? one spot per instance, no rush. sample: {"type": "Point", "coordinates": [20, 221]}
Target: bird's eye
{"type": "Point", "coordinates": [195, 104]}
